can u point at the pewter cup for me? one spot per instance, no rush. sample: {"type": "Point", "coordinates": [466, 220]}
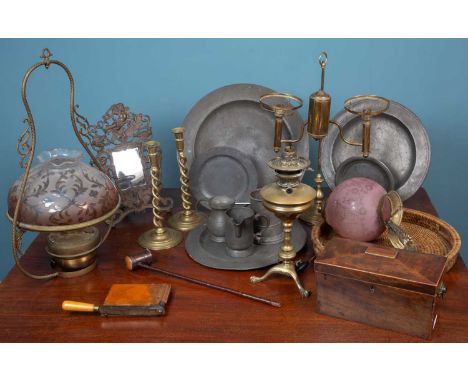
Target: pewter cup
{"type": "Point", "coordinates": [271, 233]}
{"type": "Point", "coordinates": [216, 222]}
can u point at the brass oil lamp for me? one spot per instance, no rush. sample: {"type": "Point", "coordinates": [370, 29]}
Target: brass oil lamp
{"type": "Point", "coordinates": [287, 198]}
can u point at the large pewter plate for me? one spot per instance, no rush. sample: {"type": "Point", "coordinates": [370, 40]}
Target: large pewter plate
{"type": "Point", "coordinates": [231, 116]}
{"type": "Point", "coordinates": [398, 139]}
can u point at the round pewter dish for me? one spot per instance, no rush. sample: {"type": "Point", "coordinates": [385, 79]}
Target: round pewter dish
{"type": "Point", "coordinates": [398, 139]}
{"type": "Point", "coordinates": [222, 171]}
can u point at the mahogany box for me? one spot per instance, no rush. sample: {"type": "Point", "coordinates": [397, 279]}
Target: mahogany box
{"type": "Point", "coordinates": [383, 287]}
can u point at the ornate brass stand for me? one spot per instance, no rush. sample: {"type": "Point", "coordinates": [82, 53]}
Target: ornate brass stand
{"type": "Point", "coordinates": [159, 237]}
{"type": "Point", "coordinates": [188, 218]}
{"type": "Point", "coordinates": [288, 197]}
{"type": "Point", "coordinates": [80, 256]}
{"type": "Point", "coordinates": [317, 127]}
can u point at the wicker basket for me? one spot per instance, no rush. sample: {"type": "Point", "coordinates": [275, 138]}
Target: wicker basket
{"type": "Point", "coordinates": [429, 233]}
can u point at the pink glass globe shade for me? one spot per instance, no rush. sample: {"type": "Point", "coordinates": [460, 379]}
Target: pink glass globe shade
{"type": "Point", "coordinates": [61, 190]}
{"type": "Point", "coordinates": [353, 209]}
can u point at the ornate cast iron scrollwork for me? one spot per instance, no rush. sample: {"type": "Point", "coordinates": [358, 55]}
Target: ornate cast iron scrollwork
{"type": "Point", "coordinates": [120, 129]}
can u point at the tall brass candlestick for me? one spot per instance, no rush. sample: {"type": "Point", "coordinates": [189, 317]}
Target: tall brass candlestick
{"type": "Point", "coordinates": [159, 237]}
{"type": "Point", "coordinates": [188, 218]}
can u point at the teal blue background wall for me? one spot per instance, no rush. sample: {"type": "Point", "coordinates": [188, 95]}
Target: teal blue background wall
{"type": "Point", "coordinates": [165, 78]}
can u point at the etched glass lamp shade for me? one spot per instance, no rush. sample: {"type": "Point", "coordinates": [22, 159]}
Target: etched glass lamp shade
{"type": "Point", "coordinates": [62, 192]}
{"type": "Point", "coordinates": [67, 198]}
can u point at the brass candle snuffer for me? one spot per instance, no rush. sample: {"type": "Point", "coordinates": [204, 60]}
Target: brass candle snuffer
{"type": "Point", "coordinates": [159, 237]}
{"type": "Point", "coordinates": [188, 218]}
{"type": "Point", "coordinates": [317, 127]}
{"type": "Point", "coordinates": [61, 195]}
{"type": "Point", "coordinates": [287, 198]}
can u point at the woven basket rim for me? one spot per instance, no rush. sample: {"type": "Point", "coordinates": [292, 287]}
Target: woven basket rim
{"type": "Point", "coordinates": [455, 239]}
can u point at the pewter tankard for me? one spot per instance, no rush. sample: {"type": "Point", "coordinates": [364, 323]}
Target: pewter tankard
{"type": "Point", "coordinates": [240, 230]}
{"type": "Point", "coordinates": [272, 233]}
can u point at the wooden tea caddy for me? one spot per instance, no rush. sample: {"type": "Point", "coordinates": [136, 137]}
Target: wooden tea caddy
{"type": "Point", "coordinates": [383, 287]}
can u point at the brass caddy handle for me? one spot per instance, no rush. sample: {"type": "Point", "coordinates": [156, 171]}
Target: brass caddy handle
{"type": "Point", "coordinates": [441, 290]}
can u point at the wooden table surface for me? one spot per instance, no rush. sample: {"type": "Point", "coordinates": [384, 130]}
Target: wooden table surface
{"type": "Point", "coordinates": [30, 310]}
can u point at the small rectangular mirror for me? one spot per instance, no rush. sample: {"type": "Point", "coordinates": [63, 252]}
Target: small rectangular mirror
{"type": "Point", "coordinates": [128, 168]}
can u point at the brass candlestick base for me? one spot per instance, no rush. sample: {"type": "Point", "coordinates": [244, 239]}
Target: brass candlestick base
{"type": "Point", "coordinates": [187, 220]}
{"type": "Point", "coordinates": [314, 215]}
{"type": "Point", "coordinates": [160, 238]}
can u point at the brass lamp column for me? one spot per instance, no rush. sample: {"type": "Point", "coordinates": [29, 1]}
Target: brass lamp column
{"type": "Point", "coordinates": [188, 218]}
{"type": "Point", "coordinates": [159, 237]}
{"type": "Point", "coordinates": [317, 127]}
{"type": "Point", "coordinates": [287, 198]}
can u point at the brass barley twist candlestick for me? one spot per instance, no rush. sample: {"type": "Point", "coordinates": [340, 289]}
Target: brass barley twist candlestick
{"type": "Point", "coordinates": [159, 237]}
{"type": "Point", "coordinates": [188, 218]}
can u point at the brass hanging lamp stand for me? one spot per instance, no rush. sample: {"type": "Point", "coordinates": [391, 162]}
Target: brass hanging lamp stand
{"type": "Point", "coordinates": [71, 246]}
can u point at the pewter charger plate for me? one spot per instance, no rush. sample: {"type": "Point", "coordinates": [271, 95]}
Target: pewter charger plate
{"type": "Point", "coordinates": [214, 255]}
{"type": "Point", "coordinates": [231, 116]}
{"type": "Point", "coordinates": [398, 139]}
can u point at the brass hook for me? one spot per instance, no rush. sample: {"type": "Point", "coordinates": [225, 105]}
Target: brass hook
{"type": "Point", "coordinates": [323, 58]}
{"type": "Point", "coordinates": [46, 54]}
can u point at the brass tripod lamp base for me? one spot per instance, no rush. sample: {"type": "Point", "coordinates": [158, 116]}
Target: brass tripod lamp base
{"type": "Point", "coordinates": [186, 220]}
{"type": "Point", "coordinates": [286, 268]}
{"type": "Point", "coordinates": [160, 238]}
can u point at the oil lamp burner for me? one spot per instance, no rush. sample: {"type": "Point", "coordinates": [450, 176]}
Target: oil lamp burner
{"type": "Point", "coordinates": [364, 106]}
{"type": "Point", "coordinates": [60, 196]}
{"type": "Point", "coordinates": [287, 198]}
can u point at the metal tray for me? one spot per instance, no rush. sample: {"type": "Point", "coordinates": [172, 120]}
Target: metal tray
{"type": "Point", "coordinates": [223, 171]}
{"type": "Point", "coordinates": [214, 255]}
{"type": "Point", "coordinates": [398, 139]}
{"type": "Point", "coordinates": [231, 116]}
